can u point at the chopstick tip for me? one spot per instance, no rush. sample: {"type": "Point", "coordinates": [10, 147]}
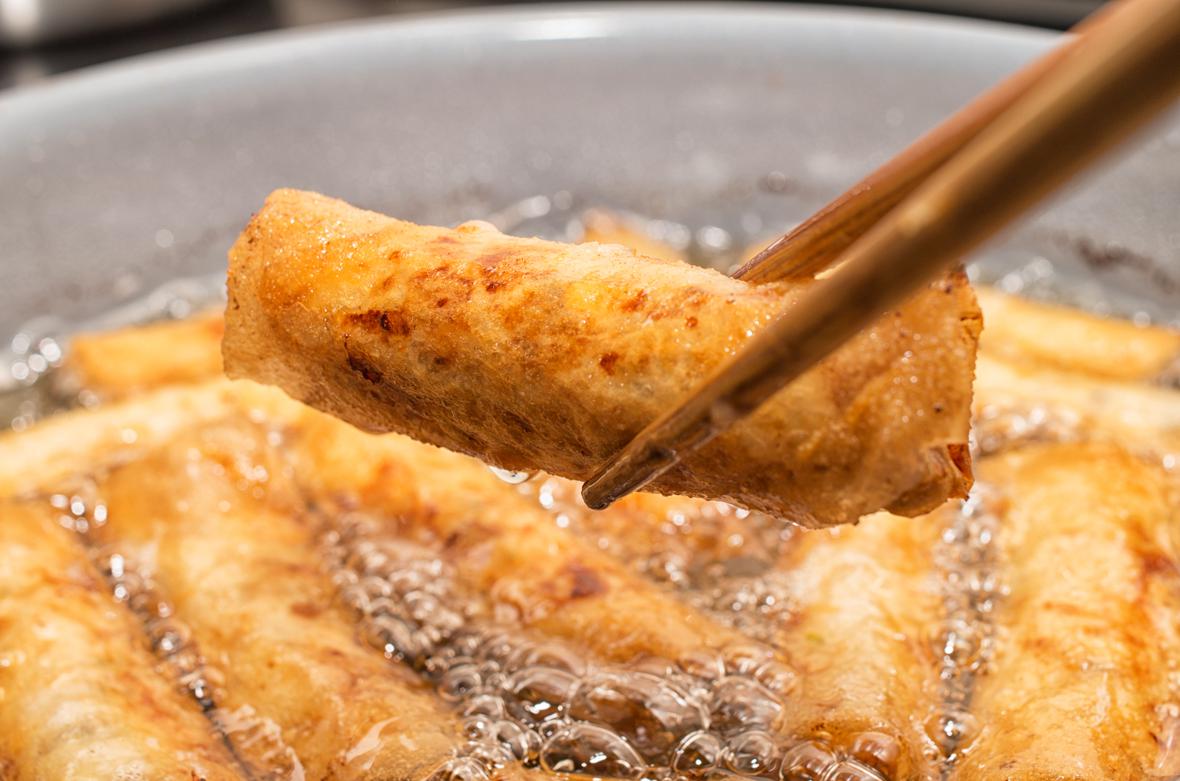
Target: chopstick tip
{"type": "Point", "coordinates": [626, 472]}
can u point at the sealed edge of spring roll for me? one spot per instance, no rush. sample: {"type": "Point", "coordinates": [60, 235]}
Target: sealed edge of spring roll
{"type": "Point", "coordinates": [537, 355]}
{"type": "Point", "coordinates": [1080, 683]}
{"type": "Point", "coordinates": [217, 524]}
{"type": "Point", "coordinates": [80, 695]}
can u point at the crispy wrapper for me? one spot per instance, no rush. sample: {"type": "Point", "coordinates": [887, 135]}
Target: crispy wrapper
{"type": "Point", "coordinates": [530, 354]}
{"type": "Point", "coordinates": [1047, 336]}
{"type": "Point", "coordinates": [80, 696]}
{"type": "Point", "coordinates": [1079, 684]}
{"type": "Point", "coordinates": [120, 363]}
{"type": "Point", "coordinates": [213, 520]}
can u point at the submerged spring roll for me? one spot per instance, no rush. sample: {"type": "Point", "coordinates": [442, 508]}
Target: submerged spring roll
{"type": "Point", "coordinates": [110, 365]}
{"type": "Point", "coordinates": [216, 522]}
{"type": "Point", "coordinates": [866, 600]}
{"type": "Point", "coordinates": [503, 548]}
{"type": "Point", "coordinates": [1018, 403]}
{"type": "Point", "coordinates": [1047, 336]}
{"type": "Point", "coordinates": [855, 620]}
{"type": "Point", "coordinates": [1079, 685]}
{"type": "Point", "coordinates": [604, 227]}
{"type": "Point", "coordinates": [85, 440]}
{"type": "Point", "coordinates": [530, 354]}
{"type": "Point", "coordinates": [80, 696]}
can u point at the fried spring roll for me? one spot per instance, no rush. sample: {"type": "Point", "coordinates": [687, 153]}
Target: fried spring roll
{"type": "Point", "coordinates": [1057, 337]}
{"type": "Point", "coordinates": [862, 602]}
{"type": "Point", "coordinates": [500, 543]}
{"type": "Point", "coordinates": [85, 440]}
{"type": "Point", "coordinates": [1086, 633]}
{"type": "Point", "coordinates": [859, 635]}
{"type": "Point", "coordinates": [116, 364]}
{"type": "Point", "coordinates": [530, 354]}
{"type": "Point", "coordinates": [1017, 403]}
{"type": "Point", "coordinates": [604, 227]}
{"type": "Point", "coordinates": [865, 599]}
{"type": "Point", "coordinates": [80, 698]}
{"type": "Point", "coordinates": [215, 518]}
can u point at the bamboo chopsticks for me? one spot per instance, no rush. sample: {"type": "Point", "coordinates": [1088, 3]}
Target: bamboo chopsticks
{"type": "Point", "coordinates": [924, 210]}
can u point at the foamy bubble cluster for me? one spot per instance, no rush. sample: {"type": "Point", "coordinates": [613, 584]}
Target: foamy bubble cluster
{"type": "Point", "coordinates": [170, 638]}
{"type": "Point", "coordinates": [1000, 427]}
{"type": "Point", "coordinates": [966, 559]}
{"type": "Point", "coordinates": [734, 579]}
{"type": "Point", "coordinates": [812, 761]}
{"type": "Point", "coordinates": [707, 715]}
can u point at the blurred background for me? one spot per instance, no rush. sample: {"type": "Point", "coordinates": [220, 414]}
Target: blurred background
{"type": "Point", "coordinates": [40, 38]}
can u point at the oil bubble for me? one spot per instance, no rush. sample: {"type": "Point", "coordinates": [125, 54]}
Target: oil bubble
{"type": "Point", "coordinates": [587, 749]}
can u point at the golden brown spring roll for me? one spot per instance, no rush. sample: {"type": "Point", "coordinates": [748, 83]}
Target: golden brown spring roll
{"type": "Point", "coordinates": [865, 600]}
{"type": "Point", "coordinates": [501, 545]}
{"type": "Point", "coordinates": [603, 227]}
{"type": "Point", "coordinates": [115, 364]}
{"type": "Point", "coordinates": [1086, 630]}
{"type": "Point", "coordinates": [214, 518]}
{"type": "Point", "coordinates": [1056, 337]}
{"type": "Point", "coordinates": [864, 597]}
{"type": "Point", "coordinates": [1017, 403]}
{"type": "Point", "coordinates": [856, 626]}
{"type": "Point", "coordinates": [85, 440]}
{"type": "Point", "coordinates": [530, 354]}
{"type": "Point", "coordinates": [80, 697]}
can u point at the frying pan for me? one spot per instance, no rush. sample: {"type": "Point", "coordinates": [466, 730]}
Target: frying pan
{"type": "Point", "coordinates": [735, 117]}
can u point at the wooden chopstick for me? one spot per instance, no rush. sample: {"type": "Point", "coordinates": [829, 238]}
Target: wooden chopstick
{"type": "Point", "coordinates": [815, 243]}
{"type": "Point", "coordinates": [1126, 71]}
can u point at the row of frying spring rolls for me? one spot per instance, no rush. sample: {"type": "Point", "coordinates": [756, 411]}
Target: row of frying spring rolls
{"type": "Point", "coordinates": [1078, 679]}
{"type": "Point", "coordinates": [1076, 686]}
{"type": "Point", "coordinates": [223, 522]}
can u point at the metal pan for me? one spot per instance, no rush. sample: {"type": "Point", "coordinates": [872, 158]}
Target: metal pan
{"type": "Point", "coordinates": [739, 117]}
